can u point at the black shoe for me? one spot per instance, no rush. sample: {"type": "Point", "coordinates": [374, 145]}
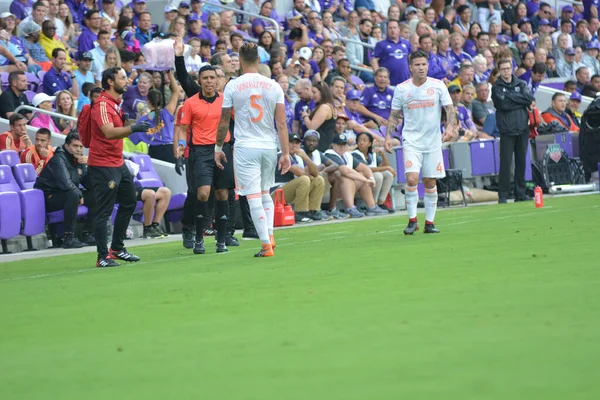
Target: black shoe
{"type": "Point", "coordinates": [502, 200]}
{"type": "Point", "coordinates": [160, 230]}
{"type": "Point", "coordinates": [222, 248]}
{"type": "Point", "coordinates": [88, 239]}
{"type": "Point", "coordinates": [150, 232]}
{"type": "Point", "coordinates": [188, 239]}
{"type": "Point", "coordinates": [250, 234]}
{"type": "Point", "coordinates": [70, 242]}
{"type": "Point", "coordinates": [523, 198]}
{"type": "Point", "coordinates": [388, 209]}
{"type": "Point", "coordinates": [303, 216]}
{"type": "Point", "coordinates": [430, 228]}
{"type": "Point", "coordinates": [210, 232]}
{"type": "Point", "coordinates": [231, 241]}
{"type": "Point", "coordinates": [107, 262]}
{"type": "Point", "coordinates": [411, 228]}
{"type": "Point", "coordinates": [199, 247]}
{"type": "Point", "coordinates": [124, 255]}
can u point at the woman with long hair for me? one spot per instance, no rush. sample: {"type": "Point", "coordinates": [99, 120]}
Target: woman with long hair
{"type": "Point", "coordinates": [470, 45]}
{"type": "Point", "coordinates": [214, 23]}
{"type": "Point", "coordinates": [319, 64]}
{"type": "Point", "coordinates": [65, 105]}
{"type": "Point", "coordinates": [383, 173]}
{"type": "Point", "coordinates": [112, 59]}
{"type": "Point", "coordinates": [520, 13]}
{"type": "Point", "coordinates": [260, 25]}
{"type": "Point", "coordinates": [161, 119]}
{"type": "Point", "coordinates": [267, 41]}
{"type": "Point", "coordinates": [177, 27]}
{"type": "Point", "coordinates": [322, 118]}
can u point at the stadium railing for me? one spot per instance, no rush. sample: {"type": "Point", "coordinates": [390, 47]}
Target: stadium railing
{"type": "Point", "coordinates": [236, 11]}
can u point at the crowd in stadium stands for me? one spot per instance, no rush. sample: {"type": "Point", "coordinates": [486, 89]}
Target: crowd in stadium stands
{"type": "Point", "coordinates": [336, 113]}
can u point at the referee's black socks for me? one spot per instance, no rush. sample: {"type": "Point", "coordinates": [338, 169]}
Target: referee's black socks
{"type": "Point", "coordinates": [201, 208]}
{"type": "Point", "coordinates": [221, 220]}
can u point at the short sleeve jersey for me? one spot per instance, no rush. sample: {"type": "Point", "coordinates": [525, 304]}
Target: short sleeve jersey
{"type": "Point", "coordinates": [104, 152]}
{"type": "Point", "coordinates": [203, 117]}
{"type": "Point", "coordinates": [254, 97]}
{"type": "Point", "coordinates": [422, 109]}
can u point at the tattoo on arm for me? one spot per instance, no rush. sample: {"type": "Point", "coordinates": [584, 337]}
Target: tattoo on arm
{"type": "Point", "coordinates": [394, 120]}
{"type": "Point", "coordinates": [223, 126]}
{"type": "Point", "coordinates": [450, 115]}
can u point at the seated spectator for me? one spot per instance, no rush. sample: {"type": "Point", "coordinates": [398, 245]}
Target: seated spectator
{"type": "Point", "coordinates": [573, 108]}
{"type": "Point", "coordinates": [60, 180]}
{"type": "Point", "coordinates": [127, 63]}
{"type": "Point", "coordinates": [464, 121]}
{"type": "Point", "coordinates": [14, 96]}
{"type": "Point", "coordinates": [466, 76]}
{"type": "Point", "coordinates": [566, 67]}
{"type": "Point", "coordinates": [161, 118]}
{"type": "Point", "coordinates": [112, 59]}
{"type": "Point", "coordinates": [534, 77]}
{"type": "Point", "coordinates": [64, 15]}
{"type": "Point", "coordinates": [376, 101]}
{"type": "Point", "coordinates": [98, 53]}
{"type": "Point", "coordinates": [260, 25]}
{"type": "Point", "coordinates": [60, 76]}
{"type": "Point", "coordinates": [304, 90]}
{"type": "Point", "coordinates": [125, 40]}
{"type": "Point", "coordinates": [89, 31]}
{"type": "Point", "coordinates": [583, 78]}
{"type": "Point", "coordinates": [143, 33]}
{"type": "Point", "coordinates": [30, 36]}
{"type": "Point", "coordinates": [303, 185]}
{"type": "Point", "coordinates": [51, 44]}
{"type": "Point", "coordinates": [65, 105]}
{"type": "Point", "coordinates": [282, 80]}
{"type": "Point", "coordinates": [351, 110]}
{"type": "Point", "coordinates": [43, 120]}
{"type": "Point", "coordinates": [196, 30]}
{"type": "Point", "coordinates": [41, 152]}
{"type": "Point", "coordinates": [356, 177]}
{"type": "Point", "coordinates": [380, 167]}
{"type": "Point", "coordinates": [482, 107]}
{"type": "Point", "coordinates": [16, 138]}
{"type": "Point", "coordinates": [557, 112]}
{"type": "Point", "coordinates": [83, 73]}
{"type": "Point", "coordinates": [570, 86]}
{"type": "Point", "coordinates": [156, 200]}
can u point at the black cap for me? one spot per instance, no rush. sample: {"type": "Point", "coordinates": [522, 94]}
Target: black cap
{"type": "Point", "coordinates": [340, 139]}
{"type": "Point", "coordinates": [86, 56]}
{"type": "Point", "coordinates": [454, 89]}
{"type": "Point", "coordinates": [294, 136]}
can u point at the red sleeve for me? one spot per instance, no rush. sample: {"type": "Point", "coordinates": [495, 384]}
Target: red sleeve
{"type": "Point", "coordinates": [186, 113]}
{"type": "Point", "coordinates": [25, 154]}
{"type": "Point", "coordinates": [106, 114]}
{"type": "Point", "coordinates": [3, 140]}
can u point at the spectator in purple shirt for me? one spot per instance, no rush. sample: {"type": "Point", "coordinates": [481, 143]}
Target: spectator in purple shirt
{"type": "Point", "coordinates": [78, 10]}
{"type": "Point", "coordinates": [89, 32]}
{"type": "Point", "coordinates": [260, 25]}
{"type": "Point", "coordinates": [435, 67]}
{"type": "Point", "coordinates": [283, 81]}
{"type": "Point", "coordinates": [60, 76]}
{"type": "Point", "coordinates": [315, 29]}
{"type": "Point", "coordinates": [470, 46]}
{"type": "Point", "coordinates": [392, 54]}
{"type": "Point", "coordinates": [456, 51]}
{"type": "Point", "coordinates": [139, 6]}
{"type": "Point", "coordinates": [304, 90]}
{"type": "Point", "coordinates": [376, 101]}
{"type": "Point", "coordinates": [443, 55]}
{"type": "Point", "coordinates": [534, 76]}
{"type": "Point", "coordinates": [21, 8]}
{"type": "Point", "coordinates": [196, 30]}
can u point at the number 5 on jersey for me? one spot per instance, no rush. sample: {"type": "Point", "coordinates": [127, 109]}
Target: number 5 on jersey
{"type": "Point", "coordinates": [256, 106]}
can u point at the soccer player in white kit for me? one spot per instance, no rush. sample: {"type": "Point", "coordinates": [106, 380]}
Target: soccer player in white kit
{"type": "Point", "coordinates": [257, 101]}
{"type": "Point", "coordinates": [419, 102]}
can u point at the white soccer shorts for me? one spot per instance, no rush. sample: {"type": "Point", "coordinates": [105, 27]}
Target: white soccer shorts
{"type": "Point", "coordinates": [254, 170]}
{"type": "Point", "coordinates": [431, 165]}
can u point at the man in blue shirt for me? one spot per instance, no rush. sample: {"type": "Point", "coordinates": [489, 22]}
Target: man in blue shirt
{"type": "Point", "coordinates": [89, 32]}
{"type": "Point", "coordinates": [143, 32]}
{"type": "Point", "coordinates": [60, 77]}
{"type": "Point", "coordinates": [392, 53]}
{"type": "Point", "coordinates": [83, 74]}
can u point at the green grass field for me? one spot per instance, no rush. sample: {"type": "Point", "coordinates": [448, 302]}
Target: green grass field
{"type": "Point", "coordinates": [504, 304]}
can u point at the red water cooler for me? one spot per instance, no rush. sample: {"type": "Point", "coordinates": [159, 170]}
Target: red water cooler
{"type": "Point", "coordinates": [284, 215]}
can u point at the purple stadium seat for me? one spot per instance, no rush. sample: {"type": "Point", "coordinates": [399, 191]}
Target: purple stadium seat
{"type": "Point", "coordinates": [32, 80]}
{"type": "Point", "coordinates": [446, 157]}
{"type": "Point", "coordinates": [10, 207]}
{"type": "Point", "coordinates": [356, 80]}
{"type": "Point", "coordinates": [146, 168]}
{"type": "Point", "coordinates": [56, 217]}
{"type": "Point", "coordinates": [25, 175]}
{"type": "Point", "coordinates": [400, 178]}
{"type": "Point", "coordinates": [9, 157]}
{"type": "Point", "coordinates": [4, 80]}
{"type": "Point", "coordinates": [40, 87]}
{"type": "Point", "coordinates": [30, 94]}
{"type": "Point", "coordinates": [482, 157]}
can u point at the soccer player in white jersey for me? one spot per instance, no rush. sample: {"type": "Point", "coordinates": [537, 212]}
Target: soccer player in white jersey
{"type": "Point", "coordinates": [419, 102]}
{"type": "Point", "coordinates": [257, 101]}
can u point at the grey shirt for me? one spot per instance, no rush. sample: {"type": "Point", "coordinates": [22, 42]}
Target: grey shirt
{"type": "Point", "coordinates": [481, 110]}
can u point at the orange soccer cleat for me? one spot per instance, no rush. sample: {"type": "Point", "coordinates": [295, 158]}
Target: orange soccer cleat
{"type": "Point", "coordinates": [265, 251]}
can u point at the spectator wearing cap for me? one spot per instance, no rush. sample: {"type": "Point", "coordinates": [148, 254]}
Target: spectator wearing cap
{"type": "Point", "coordinates": [60, 76]}
{"type": "Point", "coordinates": [360, 55]}
{"type": "Point", "coordinates": [582, 74]}
{"type": "Point", "coordinates": [125, 40]}
{"type": "Point", "coordinates": [436, 70]}
{"type": "Point", "coordinates": [520, 47]}
{"type": "Point", "coordinates": [525, 27]}
{"type": "Point", "coordinates": [557, 112]}
{"type": "Point", "coordinates": [590, 58]}
{"type": "Point", "coordinates": [43, 120]}
{"type": "Point", "coordinates": [356, 177]}
{"type": "Point", "coordinates": [534, 77]}
{"type": "Point", "coordinates": [196, 9]}
{"type": "Point", "coordinates": [139, 6]}
{"type": "Point", "coordinates": [544, 27]}
{"type": "Point", "coordinates": [456, 50]}
{"type": "Point", "coordinates": [567, 13]}
{"type": "Point", "coordinates": [573, 106]}
{"type": "Point", "coordinates": [16, 44]}
{"type": "Point", "coordinates": [83, 74]}
{"type": "Point", "coordinates": [14, 96]}
{"type": "Point", "coordinates": [89, 32]}
{"type": "Point", "coordinates": [49, 42]}
{"type": "Point", "coordinates": [383, 173]}
{"type": "Point", "coordinates": [565, 28]}
{"type": "Point", "coordinates": [392, 54]}
{"type": "Point", "coordinates": [376, 101]}
{"type": "Point", "coordinates": [566, 68]}
{"type": "Point", "coordinates": [170, 13]}
{"type": "Point", "coordinates": [195, 29]}
{"type": "Point", "coordinates": [303, 186]}
{"type": "Point", "coordinates": [481, 107]}
{"type": "Point", "coordinates": [30, 32]}
{"type": "Point", "coordinates": [351, 110]}
{"type": "Point", "coordinates": [143, 32]}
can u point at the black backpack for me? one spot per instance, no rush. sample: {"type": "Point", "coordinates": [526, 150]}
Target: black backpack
{"type": "Point", "coordinates": [589, 139]}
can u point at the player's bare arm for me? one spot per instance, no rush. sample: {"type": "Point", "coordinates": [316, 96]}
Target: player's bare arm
{"type": "Point", "coordinates": [450, 122]}
{"type": "Point", "coordinates": [221, 134]}
{"type": "Point", "coordinates": [396, 117]}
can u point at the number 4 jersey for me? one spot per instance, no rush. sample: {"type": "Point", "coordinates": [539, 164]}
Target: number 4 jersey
{"type": "Point", "coordinates": [422, 109]}
{"type": "Point", "coordinates": [254, 98]}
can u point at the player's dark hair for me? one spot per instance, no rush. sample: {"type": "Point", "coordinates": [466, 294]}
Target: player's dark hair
{"type": "Point", "coordinates": [417, 54]}
{"type": "Point", "coordinates": [71, 137]}
{"type": "Point", "coordinates": [15, 117]}
{"type": "Point", "coordinates": [109, 74]}
{"type": "Point", "coordinates": [249, 53]}
{"type": "Point", "coordinates": [57, 51]}
{"type": "Point", "coordinates": [44, 131]}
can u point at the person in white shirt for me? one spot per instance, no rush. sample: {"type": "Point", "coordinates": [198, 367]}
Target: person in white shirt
{"type": "Point", "coordinates": [98, 53]}
{"type": "Point", "coordinates": [418, 101]}
{"type": "Point", "coordinates": [257, 102]}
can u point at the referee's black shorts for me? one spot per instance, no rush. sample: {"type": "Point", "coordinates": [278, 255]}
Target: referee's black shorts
{"type": "Point", "coordinates": [206, 172]}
